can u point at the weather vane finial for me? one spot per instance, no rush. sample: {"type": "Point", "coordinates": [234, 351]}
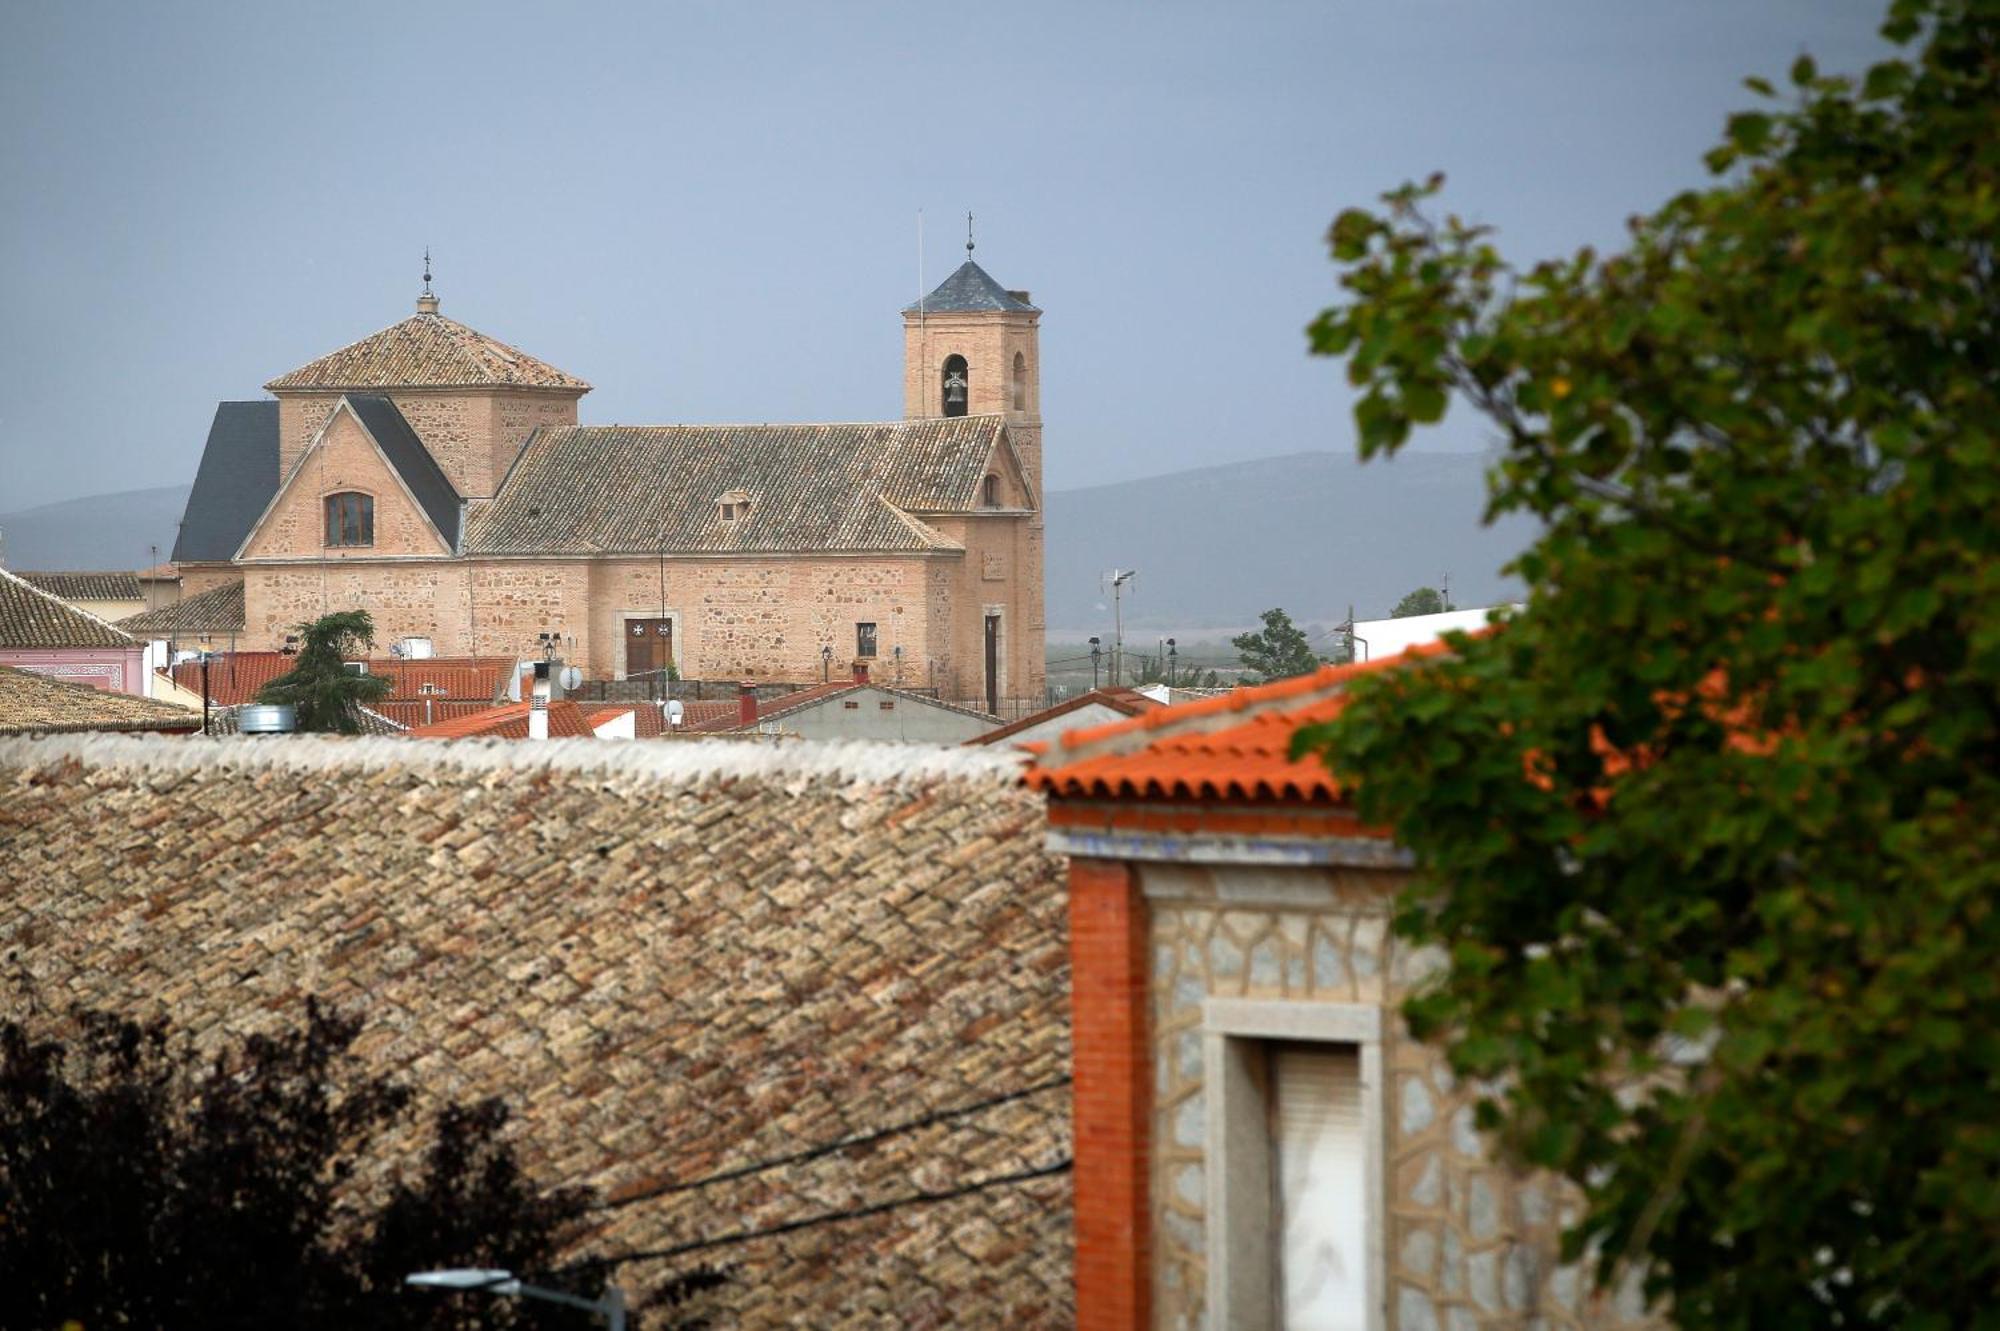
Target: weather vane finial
{"type": "Point", "coordinates": [968, 233]}
{"type": "Point", "coordinates": [427, 270]}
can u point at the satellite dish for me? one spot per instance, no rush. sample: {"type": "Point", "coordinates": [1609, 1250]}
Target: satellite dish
{"type": "Point", "coordinates": [571, 677]}
{"type": "Point", "coordinates": [675, 711]}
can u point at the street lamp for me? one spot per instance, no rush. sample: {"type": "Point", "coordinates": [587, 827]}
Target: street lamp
{"type": "Point", "coordinates": [1172, 653]}
{"type": "Point", "coordinates": [1096, 654]}
{"type": "Point", "coordinates": [611, 1307]}
{"type": "Point", "coordinates": [826, 663]}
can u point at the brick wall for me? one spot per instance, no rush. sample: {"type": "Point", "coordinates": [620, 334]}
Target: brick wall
{"type": "Point", "coordinates": [1112, 1100]}
{"type": "Point", "coordinates": [473, 434]}
{"type": "Point", "coordinates": [346, 461]}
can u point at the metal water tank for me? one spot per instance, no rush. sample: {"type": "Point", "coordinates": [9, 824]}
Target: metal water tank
{"type": "Point", "coordinates": [266, 719]}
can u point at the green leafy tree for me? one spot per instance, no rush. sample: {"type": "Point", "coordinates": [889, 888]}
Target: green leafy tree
{"type": "Point", "coordinates": [327, 695]}
{"type": "Point", "coordinates": [1422, 601]}
{"type": "Point", "coordinates": [1278, 651]}
{"type": "Point", "coordinates": [1710, 832]}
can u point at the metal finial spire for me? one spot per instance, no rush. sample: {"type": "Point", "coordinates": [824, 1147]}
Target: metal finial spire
{"type": "Point", "coordinates": [968, 235]}
{"type": "Point", "coordinates": [427, 270]}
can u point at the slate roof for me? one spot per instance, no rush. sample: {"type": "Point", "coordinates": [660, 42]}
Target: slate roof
{"type": "Point", "coordinates": [434, 491]}
{"type": "Point", "coordinates": [235, 482]}
{"type": "Point", "coordinates": [30, 617]}
{"type": "Point", "coordinates": [427, 350]}
{"type": "Point", "coordinates": [970, 290]}
{"type": "Point", "coordinates": [32, 704]}
{"type": "Point", "coordinates": [219, 610]}
{"type": "Point", "coordinates": [120, 585]}
{"type": "Point", "coordinates": [672, 960]}
{"type": "Point", "coordinates": [633, 489]}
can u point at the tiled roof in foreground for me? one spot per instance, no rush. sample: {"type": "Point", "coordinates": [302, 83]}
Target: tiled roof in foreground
{"type": "Point", "coordinates": [1235, 748]}
{"type": "Point", "coordinates": [650, 488]}
{"type": "Point", "coordinates": [32, 704]}
{"type": "Point", "coordinates": [672, 960]}
{"type": "Point", "coordinates": [427, 350]}
{"type": "Point", "coordinates": [31, 617]}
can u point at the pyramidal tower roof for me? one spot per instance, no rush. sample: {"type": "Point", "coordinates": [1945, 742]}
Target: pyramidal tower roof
{"type": "Point", "coordinates": [427, 350]}
{"type": "Point", "coordinates": [970, 290]}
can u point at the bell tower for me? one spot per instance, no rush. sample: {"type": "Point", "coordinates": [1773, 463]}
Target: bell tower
{"type": "Point", "coordinates": [971, 348]}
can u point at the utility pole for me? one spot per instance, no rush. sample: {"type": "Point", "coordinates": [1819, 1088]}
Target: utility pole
{"type": "Point", "coordinates": [1118, 581]}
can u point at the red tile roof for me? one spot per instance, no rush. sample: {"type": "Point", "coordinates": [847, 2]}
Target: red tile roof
{"type": "Point", "coordinates": [566, 721]}
{"type": "Point", "coordinates": [236, 677]}
{"type": "Point", "coordinates": [1233, 749]}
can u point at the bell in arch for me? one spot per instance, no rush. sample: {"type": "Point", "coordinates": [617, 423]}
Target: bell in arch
{"type": "Point", "coordinates": [954, 386]}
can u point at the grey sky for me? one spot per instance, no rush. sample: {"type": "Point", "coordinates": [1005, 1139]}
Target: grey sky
{"type": "Point", "coordinates": [708, 210]}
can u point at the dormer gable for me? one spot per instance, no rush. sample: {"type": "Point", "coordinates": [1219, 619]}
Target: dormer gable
{"type": "Point", "coordinates": [365, 487]}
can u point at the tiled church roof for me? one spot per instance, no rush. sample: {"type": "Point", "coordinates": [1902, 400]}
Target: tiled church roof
{"type": "Point", "coordinates": [219, 610]}
{"type": "Point", "coordinates": [672, 960]}
{"type": "Point", "coordinates": [121, 585]}
{"type": "Point", "coordinates": [30, 617]}
{"type": "Point", "coordinates": [623, 488]}
{"type": "Point", "coordinates": [427, 350]}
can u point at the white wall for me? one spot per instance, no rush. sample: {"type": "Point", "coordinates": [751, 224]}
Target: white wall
{"type": "Point", "coordinates": [1386, 637]}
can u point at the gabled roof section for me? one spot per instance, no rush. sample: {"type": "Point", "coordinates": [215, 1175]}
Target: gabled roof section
{"type": "Point", "coordinates": [970, 290]}
{"type": "Point", "coordinates": [432, 489]}
{"type": "Point", "coordinates": [644, 489]}
{"type": "Point", "coordinates": [509, 721]}
{"type": "Point", "coordinates": [236, 480]}
{"type": "Point", "coordinates": [111, 585]}
{"type": "Point", "coordinates": [427, 350]}
{"type": "Point", "coordinates": [30, 617]}
{"type": "Point", "coordinates": [217, 610]}
{"type": "Point", "coordinates": [32, 704]}
{"type": "Point", "coordinates": [1124, 701]}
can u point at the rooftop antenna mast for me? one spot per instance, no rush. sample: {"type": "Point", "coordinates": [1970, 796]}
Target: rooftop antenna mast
{"type": "Point", "coordinates": [427, 270]}
{"type": "Point", "coordinates": [1118, 580]}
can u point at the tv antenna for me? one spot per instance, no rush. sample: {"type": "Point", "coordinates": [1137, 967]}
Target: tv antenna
{"type": "Point", "coordinates": [1118, 578]}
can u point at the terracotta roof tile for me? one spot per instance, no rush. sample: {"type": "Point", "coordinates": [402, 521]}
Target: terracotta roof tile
{"type": "Point", "coordinates": [119, 585]}
{"type": "Point", "coordinates": [509, 721]}
{"type": "Point", "coordinates": [237, 677]}
{"type": "Point", "coordinates": [219, 610]}
{"type": "Point", "coordinates": [427, 351]}
{"type": "Point", "coordinates": [1234, 748]}
{"type": "Point", "coordinates": [30, 617]}
{"type": "Point", "coordinates": [672, 960]}
{"type": "Point", "coordinates": [32, 704]}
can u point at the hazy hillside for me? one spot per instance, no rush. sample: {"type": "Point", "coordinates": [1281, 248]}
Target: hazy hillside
{"type": "Point", "coordinates": [103, 531]}
{"type": "Point", "coordinates": [1312, 532]}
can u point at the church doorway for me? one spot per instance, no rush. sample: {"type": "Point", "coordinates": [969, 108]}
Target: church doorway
{"type": "Point", "coordinates": [649, 648]}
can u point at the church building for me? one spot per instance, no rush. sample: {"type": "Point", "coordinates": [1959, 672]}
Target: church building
{"type": "Point", "coordinates": [439, 479]}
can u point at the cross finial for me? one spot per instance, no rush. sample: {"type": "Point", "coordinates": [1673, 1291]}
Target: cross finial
{"type": "Point", "coordinates": [968, 234]}
{"type": "Point", "coordinates": [427, 270]}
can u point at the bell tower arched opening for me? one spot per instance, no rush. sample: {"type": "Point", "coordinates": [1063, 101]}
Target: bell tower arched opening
{"type": "Point", "coordinates": [954, 386]}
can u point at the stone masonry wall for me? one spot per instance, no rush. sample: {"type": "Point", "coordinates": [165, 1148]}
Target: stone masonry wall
{"type": "Point", "coordinates": [1471, 1243]}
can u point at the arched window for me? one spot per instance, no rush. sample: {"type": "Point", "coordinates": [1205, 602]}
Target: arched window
{"type": "Point", "coordinates": [1020, 382]}
{"type": "Point", "coordinates": [990, 494]}
{"type": "Point", "coordinates": [350, 519]}
{"type": "Point", "coordinates": [957, 385]}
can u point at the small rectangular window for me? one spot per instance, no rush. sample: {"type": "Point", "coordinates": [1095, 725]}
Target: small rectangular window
{"type": "Point", "coordinates": [864, 640]}
{"type": "Point", "coordinates": [887, 706]}
{"type": "Point", "coordinates": [851, 706]}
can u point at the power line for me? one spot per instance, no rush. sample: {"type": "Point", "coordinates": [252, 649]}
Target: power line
{"type": "Point", "coordinates": [826, 1218]}
{"type": "Point", "coordinates": [830, 1148]}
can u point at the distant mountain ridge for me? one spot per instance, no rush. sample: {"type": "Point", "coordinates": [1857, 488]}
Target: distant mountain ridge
{"type": "Point", "coordinates": [1215, 547]}
{"type": "Point", "coordinates": [1310, 532]}
{"type": "Point", "coordinates": [99, 531]}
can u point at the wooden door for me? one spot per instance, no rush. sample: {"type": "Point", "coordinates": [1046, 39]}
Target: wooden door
{"type": "Point", "coordinates": [993, 664]}
{"type": "Point", "coordinates": [649, 647]}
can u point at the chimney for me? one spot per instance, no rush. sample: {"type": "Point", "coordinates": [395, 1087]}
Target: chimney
{"type": "Point", "coordinates": [860, 672]}
{"type": "Point", "coordinates": [538, 706]}
{"type": "Point", "coordinates": [746, 704]}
